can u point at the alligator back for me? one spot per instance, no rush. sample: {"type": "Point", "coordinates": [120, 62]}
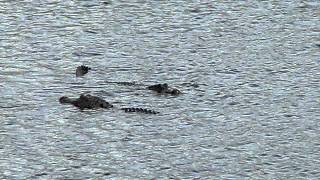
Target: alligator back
{"type": "Point", "coordinates": [91, 102]}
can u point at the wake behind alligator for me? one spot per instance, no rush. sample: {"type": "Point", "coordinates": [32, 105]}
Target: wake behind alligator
{"type": "Point", "coordinates": [93, 102]}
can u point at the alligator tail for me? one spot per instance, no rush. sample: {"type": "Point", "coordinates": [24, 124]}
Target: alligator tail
{"type": "Point", "coordinates": [141, 110]}
{"type": "Point", "coordinates": [125, 83]}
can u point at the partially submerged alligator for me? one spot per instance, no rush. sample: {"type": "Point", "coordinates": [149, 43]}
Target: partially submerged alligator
{"type": "Point", "coordinates": [82, 70]}
{"type": "Point", "coordinates": [159, 88]}
{"type": "Point", "coordinates": [93, 102]}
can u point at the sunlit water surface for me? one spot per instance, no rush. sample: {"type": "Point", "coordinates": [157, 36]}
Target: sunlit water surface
{"type": "Point", "coordinates": [249, 73]}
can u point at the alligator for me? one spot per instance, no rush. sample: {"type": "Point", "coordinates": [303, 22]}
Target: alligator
{"type": "Point", "coordinates": [82, 70]}
{"type": "Point", "coordinates": [159, 88]}
{"type": "Point", "coordinates": [93, 102]}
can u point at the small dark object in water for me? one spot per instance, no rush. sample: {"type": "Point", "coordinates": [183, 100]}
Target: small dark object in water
{"type": "Point", "coordinates": [93, 102]}
{"type": "Point", "coordinates": [318, 45]}
{"type": "Point", "coordinates": [106, 2]}
{"type": "Point", "coordinates": [107, 174]}
{"type": "Point", "coordinates": [164, 88]}
{"type": "Point", "coordinates": [82, 70]}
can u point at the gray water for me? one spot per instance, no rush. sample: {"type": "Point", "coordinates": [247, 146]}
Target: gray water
{"type": "Point", "coordinates": [249, 73]}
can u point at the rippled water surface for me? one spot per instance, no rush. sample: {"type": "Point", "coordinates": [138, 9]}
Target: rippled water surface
{"type": "Point", "coordinates": [249, 72]}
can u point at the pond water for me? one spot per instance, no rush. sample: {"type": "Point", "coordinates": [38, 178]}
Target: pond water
{"type": "Point", "coordinates": [249, 72]}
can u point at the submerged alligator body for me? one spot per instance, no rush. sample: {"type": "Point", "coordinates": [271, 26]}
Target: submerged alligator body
{"type": "Point", "coordinates": [93, 102]}
{"type": "Point", "coordinates": [82, 70]}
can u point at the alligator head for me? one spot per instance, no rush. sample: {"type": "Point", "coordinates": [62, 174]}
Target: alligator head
{"type": "Point", "coordinates": [164, 88]}
{"type": "Point", "coordinates": [66, 100]}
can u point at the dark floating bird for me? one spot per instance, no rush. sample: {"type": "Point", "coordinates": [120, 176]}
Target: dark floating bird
{"type": "Point", "coordinates": [82, 70]}
{"type": "Point", "coordinates": [164, 89]}
{"type": "Point", "coordinates": [93, 102]}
